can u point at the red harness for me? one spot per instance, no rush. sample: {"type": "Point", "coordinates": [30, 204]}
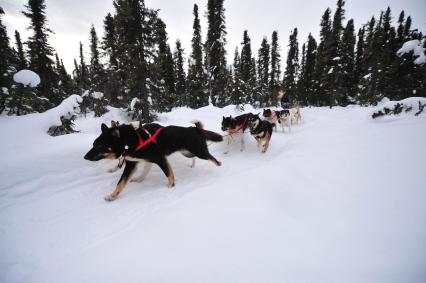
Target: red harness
{"type": "Point", "coordinates": [149, 140]}
{"type": "Point", "coordinates": [239, 128]}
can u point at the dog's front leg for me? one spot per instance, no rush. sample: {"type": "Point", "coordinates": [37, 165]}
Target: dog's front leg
{"type": "Point", "coordinates": [242, 142]}
{"type": "Point", "coordinates": [118, 166]}
{"type": "Point", "coordinates": [167, 169]}
{"type": "Point", "coordinates": [266, 145]}
{"type": "Point", "coordinates": [127, 173]}
{"type": "Point", "coordinates": [146, 168]}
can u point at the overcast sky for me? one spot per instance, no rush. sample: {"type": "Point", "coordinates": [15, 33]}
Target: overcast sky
{"type": "Point", "coordinates": [71, 20]}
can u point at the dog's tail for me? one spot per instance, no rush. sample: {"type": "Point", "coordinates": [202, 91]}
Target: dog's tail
{"type": "Point", "coordinates": [209, 135]}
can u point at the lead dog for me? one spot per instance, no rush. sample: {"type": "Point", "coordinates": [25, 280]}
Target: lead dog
{"type": "Point", "coordinates": [235, 126]}
{"type": "Point", "coordinates": [261, 130]}
{"type": "Point", "coordinates": [151, 143]}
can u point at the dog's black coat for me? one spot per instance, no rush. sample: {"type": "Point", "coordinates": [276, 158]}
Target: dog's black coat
{"type": "Point", "coordinates": [263, 126]}
{"type": "Point", "coordinates": [123, 140]}
{"type": "Point", "coordinates": [233, 123]}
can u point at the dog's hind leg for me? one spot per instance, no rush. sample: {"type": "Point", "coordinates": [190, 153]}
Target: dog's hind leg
{"type": "Point", "coordinates": [164, 164]}
{"type": "Point", "coordinates": [146, 168]}
{"type": "Point", "coordinates": [127, 173]}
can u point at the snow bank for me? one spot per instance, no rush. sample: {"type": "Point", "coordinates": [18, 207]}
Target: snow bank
{"type": "Point", "coordinates": [411, 105]}
{"type": "Point", "coordinates": [416, 46]}
{"type": "Point", "coordinates": [27, 78]}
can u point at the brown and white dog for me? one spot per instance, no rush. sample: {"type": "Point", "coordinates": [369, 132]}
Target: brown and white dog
{"type": "Point", "coordinates": [271, 117]}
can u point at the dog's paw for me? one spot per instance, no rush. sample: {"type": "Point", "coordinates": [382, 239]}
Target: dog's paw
{"type": "Point", "coordinates": [171, 185]}
{"type": "Point", "coordinates": [110, 198]}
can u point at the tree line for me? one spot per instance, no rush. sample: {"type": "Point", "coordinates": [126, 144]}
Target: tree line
{"type": "Point", "coordinates": [133, 66]}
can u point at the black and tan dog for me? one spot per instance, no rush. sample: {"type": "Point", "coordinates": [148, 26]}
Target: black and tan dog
{"type": "Point", "coordinates": [261, 130]}
{"type": "Point", "coordinates": [235, 126]}
{"type": "Point", "coordinates": [151, 143]}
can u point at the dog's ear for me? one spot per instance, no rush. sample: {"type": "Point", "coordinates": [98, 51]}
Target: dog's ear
{"type": "Point", "coordinates": [104, 128]}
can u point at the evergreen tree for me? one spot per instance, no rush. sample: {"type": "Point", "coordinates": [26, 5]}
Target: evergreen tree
{"type": "Point", "coordinates": [180, 76]}
{"type": "Point", "coordinates": [359, 59]}
{"type": "Point", "coordinates": [196, 86]}
{"type": "Point", "coordinates": [332, 79]}
{"type": "Point", "coordinates": [39, 49]}
{"type": "Point", "coordinates": [309, 71]}
{"type": "Point", "coordinates": [322, 59]}
{"type": "Point", "coordinates": [165, 72]}
{"type": "Point", "coordinates": [21, 60]}
{"type": "Point", "coordinates": [216, 53]}
{"type": "Point", "coordinates": [275, 74]}
{"type": "Point", "coordinates": [82, 78]}
{"type": "Point", "coordinates": [246, 71]}
{"type": "Point", "coordinates": [96, 68]}
{"type": "Point", "coordinates": [291, 71]}
{"type": "Point", "coordinates": [237, 92]}
{"type": "Point", "coordinates": [134, 39]}
{"type": "Point", "coordinates": [6, 68]}
{"type": "Point", "coordinates": [347, 76]}
{"type": "Point", "coordinates": [263, 61]}
{"type": "Point", "coordinates": [114, 84]}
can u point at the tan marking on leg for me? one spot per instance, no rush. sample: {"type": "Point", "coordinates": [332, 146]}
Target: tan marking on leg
{"type": "Point", "coordinates": [266, 145]}
{"type": "Point", "coordinates": [171, 177]}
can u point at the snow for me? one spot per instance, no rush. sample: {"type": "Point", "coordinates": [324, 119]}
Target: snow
{"type": "Point", "coordinates": [27, 78]}
{"type": "Point", "coordinates": [339, 199]}
{"type": "Point", "coordinates": [133, 102]}
{"type": "Point", "coordinates": [97, 95]}
{"type": "Point", "coordinates": [416, 46]}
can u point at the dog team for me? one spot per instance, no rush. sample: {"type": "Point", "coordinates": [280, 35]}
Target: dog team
{"type": "Point", "coordinates": [152, 142]}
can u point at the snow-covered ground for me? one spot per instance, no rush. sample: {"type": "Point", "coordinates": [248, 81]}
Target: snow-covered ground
{"type": "Point", "coordinates": [342, 198]}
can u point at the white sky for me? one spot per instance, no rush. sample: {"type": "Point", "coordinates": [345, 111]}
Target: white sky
{"type": "Point", "coordinates": [71, 20]}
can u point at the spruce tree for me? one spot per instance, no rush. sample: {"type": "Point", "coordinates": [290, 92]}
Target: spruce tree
{"type": "Point", "coordinates": [275, 74]}
{"type": "Point", "coordinates": [197, 96]}
{"type": "Point", "coordinates": [263, 61]}
{"type": "Point", "coordinates": [21, 60]}
{"type": "Point", "coordinates": [289, 81]}
{"type": "Point", "coordinates": [39, 49]}
{"type": "Point", "coordinates": [114, 83]}
{"type": "Point", "coordinates": [359, 59]}
{"type": "Point", "coordinates": [332, 80]}
{"type": "Point", "coordinates": [165, 74]}
{"type": "Point", "coordinates": [180, 76]}
{"type": "Point", "coordinates": [348, 83]}
{"type": "Point", "coordinates": [309, 70]}
{"type": "Point", "coordinates": [134, 39]}
{"type": "Point", "coordinates": [95, 69]}
{"type": "Point", "coordinates": [6, 68]}
{"type": "Point", "coordinates": [246, 71]}
{"type": "Point", "coordinates": [322, 59]}
{"type": "Point", "coordinates": [216, 54]}
{"type": "Point", "coordinates": [237, 91]}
